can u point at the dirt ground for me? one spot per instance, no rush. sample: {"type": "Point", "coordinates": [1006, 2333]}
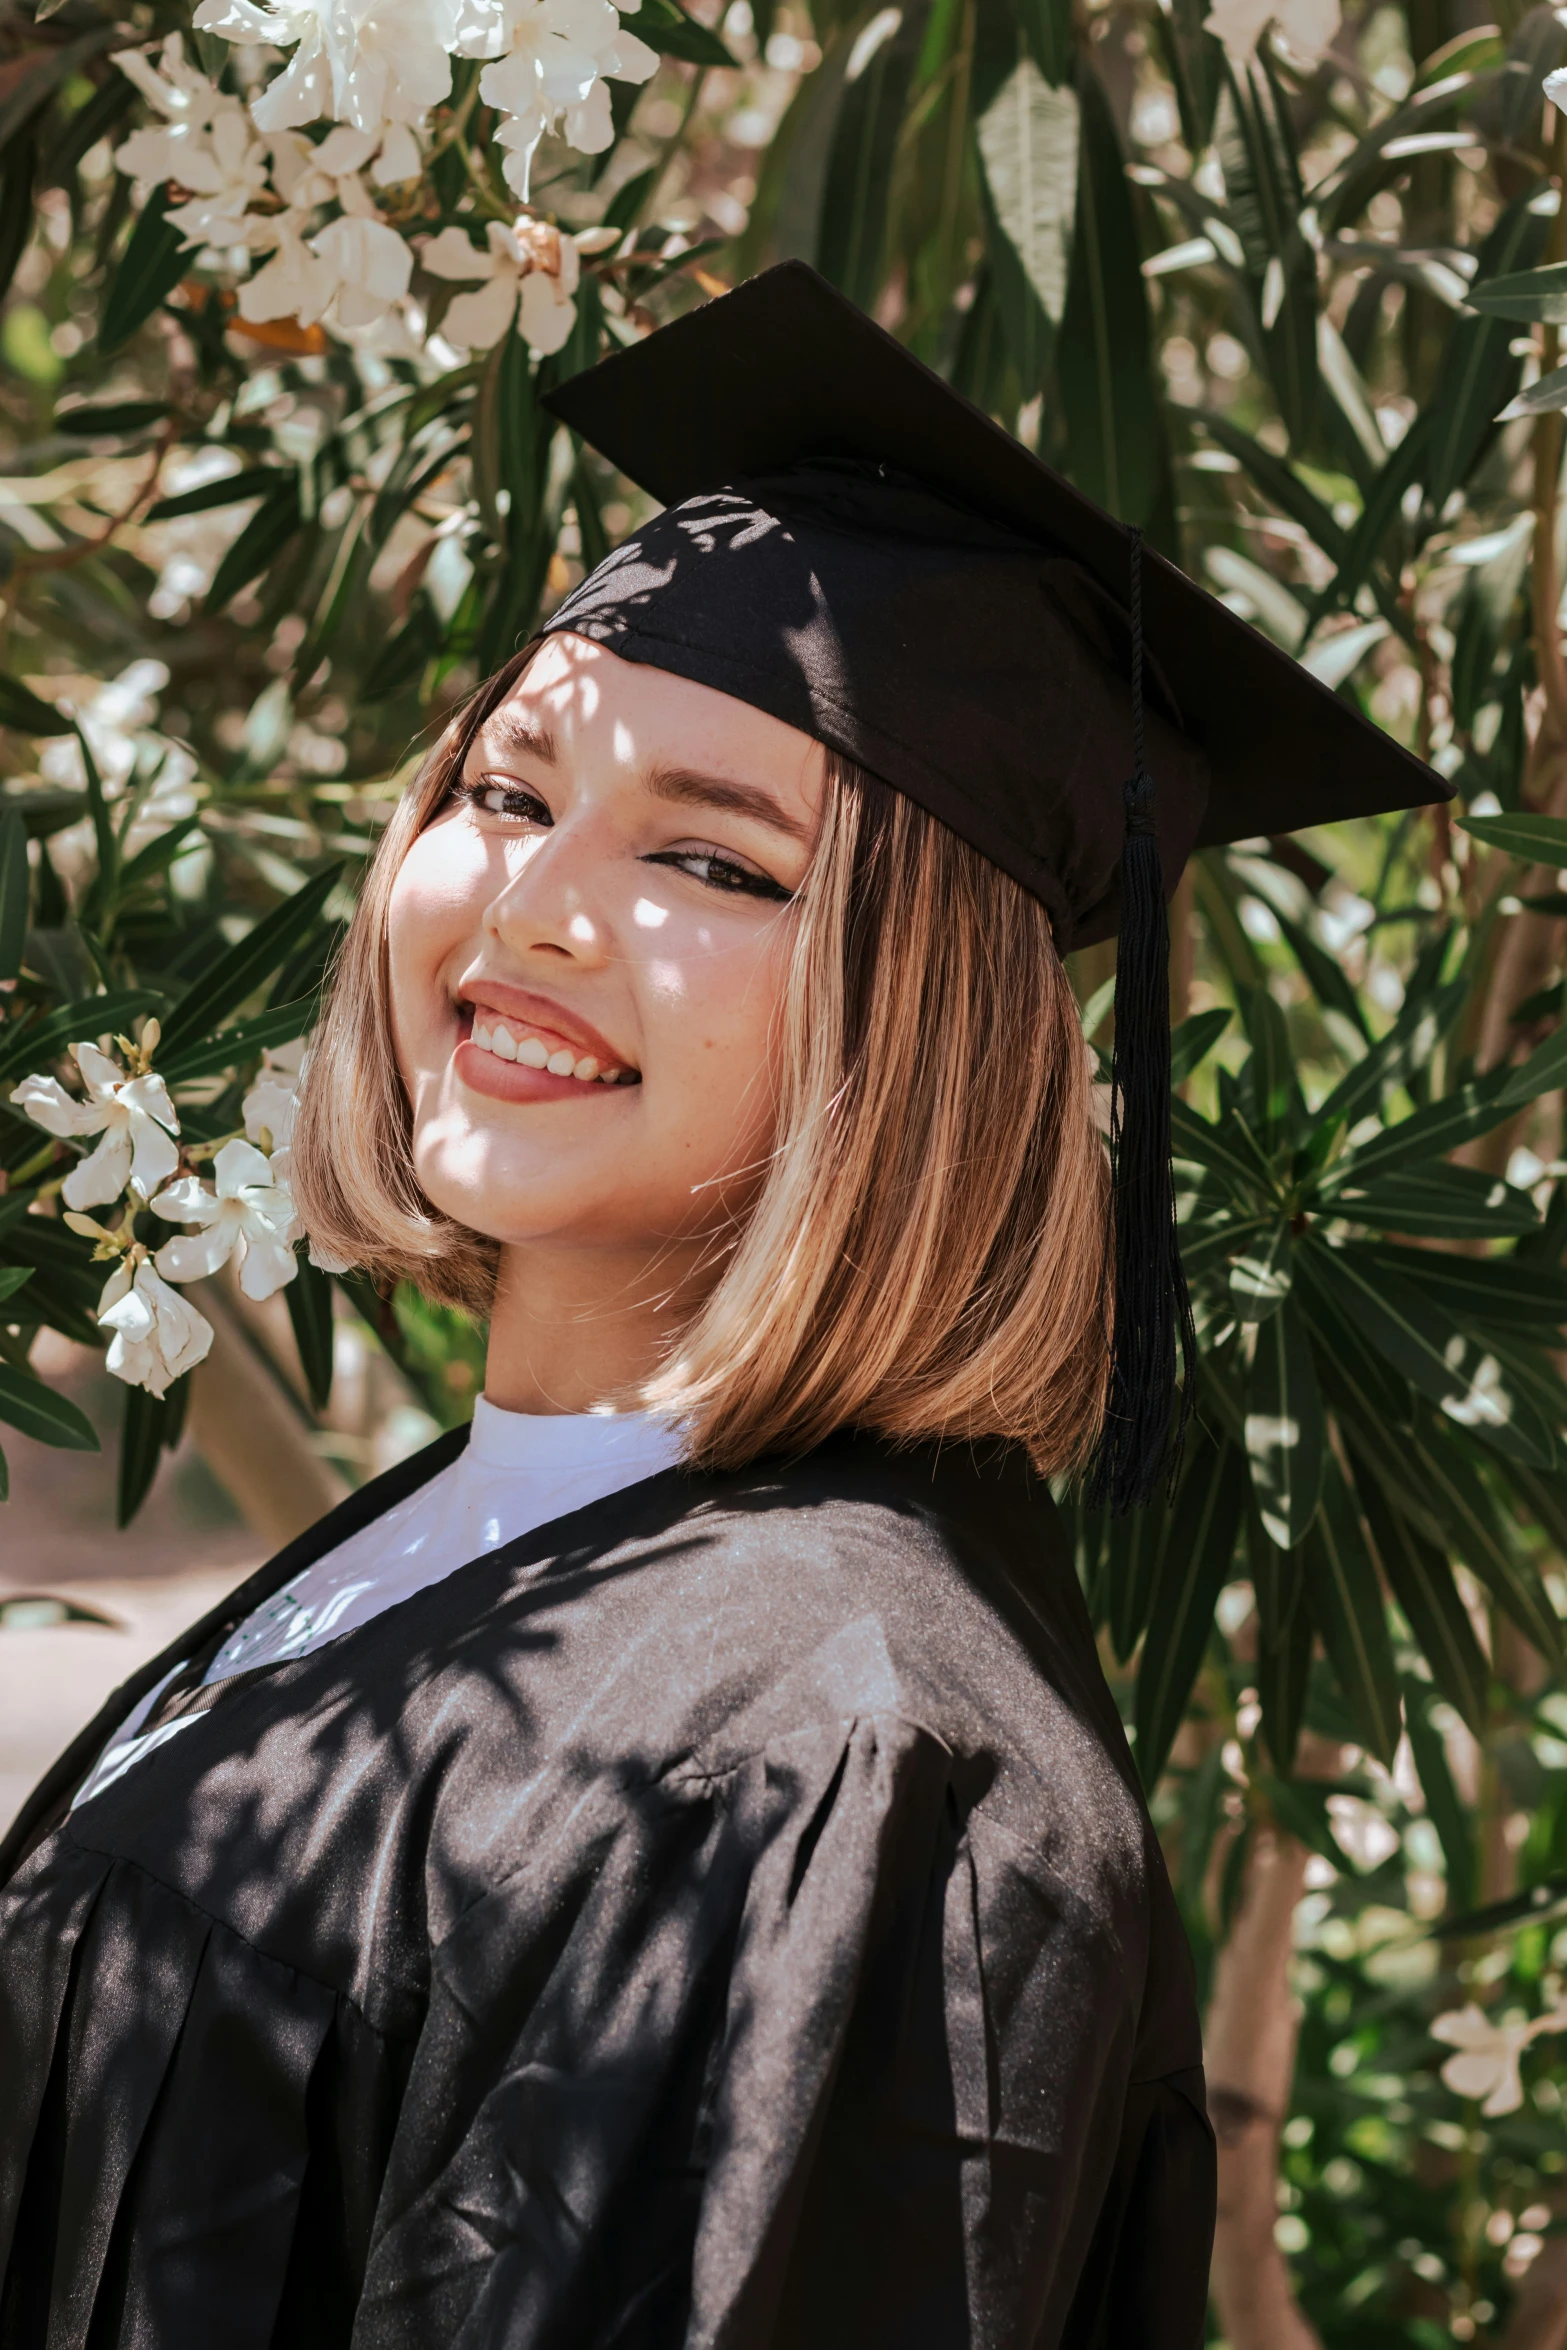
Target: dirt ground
{"type": "Point", "coordinates": [58, 1541]}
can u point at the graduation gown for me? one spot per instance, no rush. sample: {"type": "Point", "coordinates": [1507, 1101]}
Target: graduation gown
{"type": "Point", "coordinates": [725, 1917]}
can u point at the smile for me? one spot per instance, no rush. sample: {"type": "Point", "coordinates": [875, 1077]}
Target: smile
{"type": "Point", "coordinates": [534, 1053]}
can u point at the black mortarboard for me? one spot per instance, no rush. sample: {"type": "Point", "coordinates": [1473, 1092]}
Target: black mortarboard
{"type": "Point", "coordinates": [854, 548]}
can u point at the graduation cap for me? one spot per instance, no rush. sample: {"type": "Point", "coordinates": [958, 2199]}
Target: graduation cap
{"type": "Point", "coordinates": [851, 546]}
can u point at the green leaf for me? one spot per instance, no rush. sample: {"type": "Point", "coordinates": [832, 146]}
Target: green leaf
{"type": "Point", "coordinates": [1445, 1807]}
{"type": "Point", "coordinates": [259, 544]}
{"type": "Point", "coordinates": [1543, 1072]}
{"type": "Point", "coordinates": [14, 887]}
{"type": "Point", "coordinates": [1028, 142]}
{"type": "Point", "coordinates": [1262, 1273]}
{"type": "Point", "coordinates": [1529, 297]}
{"type": "Point", "coordinates": [241, 971]}
{"type": "Point", "coordinates": [1284, 1638]}
{"type": "Point", "coordinates": [48, 1418]}
{"type": "Point", "coordinates": [34, 1045]}
{"type": "Point", "coordinates": [309, 1297]}
{"type": "Point", "coordinates": [1455, 1369]}
{"type": "Point", "coordinates": [1285, 1432]}
{"type": "Point", "coordinates": [1270, 1071]}
{"type": "Point", "coordinates": [1197, 1139]}
{"type": "Point", "coordinates": [1358, 1381]}
{"type": "Point", "coordinates": [232, 1046]}
{"type": "Point", "coordinates": [1512, 1291]}
{"type": "Point", "coordinates": [1256, 146]}
{"type": "Point", "coordinates": [1538, 840]}
{"type": "Point", "coordinates": [1469, 1110]}
{"type": "Point", "coordinates": [672, 33]}
{"type": "Point", "coordinates": [1422, 1583]}
{"type": "Point", "coordinates": [1478, 369]}
{"type": "Point", "coordinates": [1193, 1041]}
{"type": "Point", "coordinates": [855, 221]}
{"type": "Point", "coordinates": [1442, 1202]}
{"type": "Point", "coordinates": [16, 204]}
{"type": "Point", "coordinates": [1278, 482]}
{"type": "Point", "coordinates": [151, 266]}
{"type": "Point", "coordinates": [26, 713]}
{"type": "Point", "coordinates": [1193, 1568]}
{"type": "Point", "coordinates": [1346, 1602]}
{"type": "Point", "coordinates": [109, 419]}
{"type": "Point", "coordinates": [1460, 1502]}
{"type": "Point", "coordinates": [1132, 1550]}
{"type": "Point", "coordinates": [232, 489]}
{"type": "Point", "coordinates": [1104, 369]}
{"type": "Point", "coordinates": [150, 1426]}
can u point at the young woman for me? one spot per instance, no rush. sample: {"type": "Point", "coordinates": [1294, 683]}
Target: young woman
{"type": "Point", "coordinates": [665, 1869]}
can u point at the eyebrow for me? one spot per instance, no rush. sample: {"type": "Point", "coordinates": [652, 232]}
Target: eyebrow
{"type": "Point", "coordinates": [687, 789]}
{"type": "Point", "coordinates": [516, 732]}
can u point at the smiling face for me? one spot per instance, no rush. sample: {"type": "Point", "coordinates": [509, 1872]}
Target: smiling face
{"type": "Point", "coordinates": [587, 945]}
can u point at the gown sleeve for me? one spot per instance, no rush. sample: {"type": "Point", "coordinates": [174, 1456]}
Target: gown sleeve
{"type": "Point", "coordinates": [803, 2054]}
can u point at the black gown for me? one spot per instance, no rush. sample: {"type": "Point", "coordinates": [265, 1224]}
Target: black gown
{"type": "Point", "coordinates": [742, 1929]}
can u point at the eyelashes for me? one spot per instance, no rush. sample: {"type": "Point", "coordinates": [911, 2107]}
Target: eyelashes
{"type": "Point", "coordinates": [716, 870]}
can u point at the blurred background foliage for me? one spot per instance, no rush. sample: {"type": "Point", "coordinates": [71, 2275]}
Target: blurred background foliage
{"type": "Point", "coordinates": [1290, 300]}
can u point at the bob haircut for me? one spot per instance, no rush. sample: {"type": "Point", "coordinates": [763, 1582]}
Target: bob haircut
{"type": "Point", "coordinates": [924, 1253]}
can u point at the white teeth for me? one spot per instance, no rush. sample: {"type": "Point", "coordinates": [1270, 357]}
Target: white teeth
{"type": "Point", "coordinates": [533, 1053]}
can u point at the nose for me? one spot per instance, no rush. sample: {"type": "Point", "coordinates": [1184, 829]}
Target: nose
{"type": "Point", "coordinates": [551, 903]}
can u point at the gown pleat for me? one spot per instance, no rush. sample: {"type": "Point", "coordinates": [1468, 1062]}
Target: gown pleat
{"type": "Point", "coordinates": [741, 1933]}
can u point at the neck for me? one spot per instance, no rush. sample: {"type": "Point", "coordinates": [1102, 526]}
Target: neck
{"type": "Point", "coordinates": [574, 1329]}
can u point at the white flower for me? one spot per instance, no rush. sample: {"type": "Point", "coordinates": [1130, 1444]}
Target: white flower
{"type": "Point", "coordinates": [205, 144]}
{"type": "Point", "coordinates": [249, 1211]}
{"type": "Point", "coordinates": [132, 1113]}
{"type": "Point", "coordinates": [269, 1107]}
{"type": "Point", "coordinates": [364, 62]}
{"type": "Point", "coordinates": [1308, 27]}
{"type": "Point", "coordinates": [551, 58]}
{"type": "Point", "coordinates": [1555, 88]}
{"type": "Point", "coordinates": [529, 274]}
{"type": "Point", "coordinates": [157, 1335]}
{"type": "Point", "coordinates": [1487, 2063]}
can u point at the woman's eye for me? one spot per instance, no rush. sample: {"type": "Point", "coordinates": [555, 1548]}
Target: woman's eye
{"type": "Point", "coordinates": [494, 795]}
{"type": "Point", "coordinates": [723, 873]}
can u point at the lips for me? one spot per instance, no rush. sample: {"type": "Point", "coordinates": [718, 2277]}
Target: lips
{"type": "Point", "coordinates": [518, 1046]}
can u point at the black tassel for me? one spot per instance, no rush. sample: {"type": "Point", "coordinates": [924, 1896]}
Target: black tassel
{"type": "Point", "coordinates": [1152, 1308]}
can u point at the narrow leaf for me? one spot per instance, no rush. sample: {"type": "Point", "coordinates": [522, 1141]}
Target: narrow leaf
{"type": "Point", "coordinates": [1422, 1583]}
{"type": "Point", "coordinates": [1104, 368]}
{"type": "Point", "coordinates": [1538, 840]}
{"type": "Point", "coordinates": [151, 266]}
{"type": "Point", "coordinates": [1284, 1639]}
{"type": "Point", "coordinates": [1346, 1602]}
{"type": "Point", "coordinates": [1285, 1433]}
{"type": "Point", "coordinates": [1469, 1110]}
{"type": "Point", "coordinates": [1442, 1202]}
{"type": "Point", "coordinates": [48, 1418]}
{"type": "Point", "coordinates": [1513, 1291]}
{"type": "Point", "coordinates": [14, 884]}
{"type": "Point", "coordinates": [27, 713]}
{"type": "Point", "coordinates": [231, 1047]}
{"type": "Point", "coordinates": [34, 1045]}
{"type": "Point", "coordinates": [1194, 1567]}
{"type": "Point", "coordinates": [1028, 142]}
{"type": "Point", "coordinates": [241, 971]}
{"type": "Point", "coordinates": [1461, 1503]}
{"type": "Point", "coordinates": [309, 1297]}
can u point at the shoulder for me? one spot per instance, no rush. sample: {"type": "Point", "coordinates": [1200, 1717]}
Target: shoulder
{"type": "Point", "coordinates": [936, 1587]}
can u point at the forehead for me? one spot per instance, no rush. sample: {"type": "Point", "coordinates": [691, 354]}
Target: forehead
{"type": "Point", "coordinates": [578, 700]}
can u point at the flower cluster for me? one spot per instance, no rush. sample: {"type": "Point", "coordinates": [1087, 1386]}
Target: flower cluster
{"type": "Point", "coordinates": [245, 1213]}
{"type": "Point", "coordinates": [300, 224]}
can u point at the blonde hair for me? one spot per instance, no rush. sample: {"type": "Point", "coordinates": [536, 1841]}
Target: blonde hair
{"type": "Point", "coordinates": [924, 1252]}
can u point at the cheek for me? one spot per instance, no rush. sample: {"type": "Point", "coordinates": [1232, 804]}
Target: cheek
{"type": "Point", "coordinates": [437, 904]}
{"type": "Point", "coordinates": [712, 1015]}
